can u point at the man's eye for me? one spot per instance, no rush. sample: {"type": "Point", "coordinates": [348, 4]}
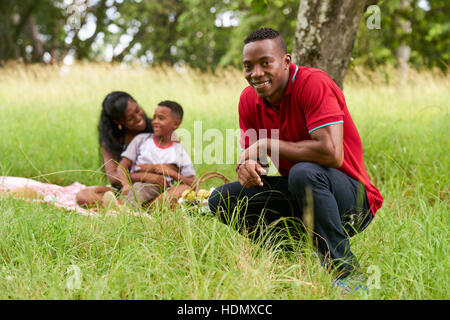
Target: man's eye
{"type": "Point", "coordinates": [266, 63]}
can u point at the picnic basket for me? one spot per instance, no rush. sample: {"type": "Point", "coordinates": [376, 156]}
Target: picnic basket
{"type": "Point", "coordinates": [196, 198]}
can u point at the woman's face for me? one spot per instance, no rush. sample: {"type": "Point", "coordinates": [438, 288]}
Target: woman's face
{"type": "Point", "coordinates": [134, 118]}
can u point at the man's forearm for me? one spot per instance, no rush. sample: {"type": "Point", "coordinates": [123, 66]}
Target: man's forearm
{"type": "Point", "coordinates": [325, 147]}
{"type": "Point", "coordinates": [306, 150]}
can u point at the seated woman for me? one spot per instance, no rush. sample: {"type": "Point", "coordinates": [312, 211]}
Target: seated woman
{"type": "Point", "coordinates": [121, 120]}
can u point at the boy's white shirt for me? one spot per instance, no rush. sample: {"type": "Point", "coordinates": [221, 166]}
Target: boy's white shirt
{"type": "Point", "coordinates": [143, 149]}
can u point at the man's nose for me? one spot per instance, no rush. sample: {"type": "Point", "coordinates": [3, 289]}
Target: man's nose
{"type": "Point", "coordinates": [257, 71]}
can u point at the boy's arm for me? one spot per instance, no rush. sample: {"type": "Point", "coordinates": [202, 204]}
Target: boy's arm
{"type": "Point", "coordinates": [122, 174]}
{"type": "Point", "coordinates": [156, 168]}
{"type": "Point", "coordinates": [169, 171]}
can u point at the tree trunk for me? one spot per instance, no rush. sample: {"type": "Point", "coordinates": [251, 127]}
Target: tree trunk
{"type": "Point", "coordinates": [33, 33]}
{"type": "Point", "coordinates": [404, 50]}
{"type": "Point", "coordinates": [325, 35]}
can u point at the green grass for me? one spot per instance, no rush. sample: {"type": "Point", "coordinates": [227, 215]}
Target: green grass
{"type": "Point", "coordinates": [48, 128]}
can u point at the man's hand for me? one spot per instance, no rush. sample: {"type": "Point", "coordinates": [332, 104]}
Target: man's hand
{"type": "Point", "coordinates": [254, 152]}
{"type": "Point", "coordinates": [249, 174]}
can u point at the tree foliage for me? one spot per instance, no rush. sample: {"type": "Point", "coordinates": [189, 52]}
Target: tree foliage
{"type": "Point", "coordinates": [202, 34]}
{"type": "Point", "coordinates": [429, 37]}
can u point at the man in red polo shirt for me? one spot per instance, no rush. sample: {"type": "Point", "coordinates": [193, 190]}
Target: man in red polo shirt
{"type": "Point", "coordinates": [299, 117]}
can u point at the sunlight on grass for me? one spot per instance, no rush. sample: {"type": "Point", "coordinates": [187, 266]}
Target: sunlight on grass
{"type": "Point", "coordinates": [48, 125]}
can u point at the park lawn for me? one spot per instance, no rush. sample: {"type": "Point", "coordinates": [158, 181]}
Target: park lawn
{"type": "Point", "coordinates": [48, 127]}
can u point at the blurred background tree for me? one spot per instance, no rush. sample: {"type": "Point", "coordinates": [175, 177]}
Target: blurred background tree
{"type": "Point", "coordinates": [206, 34]}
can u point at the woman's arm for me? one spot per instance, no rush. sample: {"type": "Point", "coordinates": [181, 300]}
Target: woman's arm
{"type": "Point", "coordinates": [110, 165]}
{"type": "Point", "coordinates": [157, 168]}
{"type": "Point", "coordinates": [175, 174]}
{"type": "Point", "coordinates": [168, 170]}
{"type": "Point", "coordinates": [123, 174]}
{"type": "Point", "coordinates": [147, 177]}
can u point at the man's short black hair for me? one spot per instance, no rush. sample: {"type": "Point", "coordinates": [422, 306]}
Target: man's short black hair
{"type": "Point", "coordinates": [266, 33]}
{"type": "Point", "coordinates": [174, 107]}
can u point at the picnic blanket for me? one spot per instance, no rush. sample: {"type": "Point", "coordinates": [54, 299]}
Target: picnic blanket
{"type": "Point", "coordinates": [58, 196]}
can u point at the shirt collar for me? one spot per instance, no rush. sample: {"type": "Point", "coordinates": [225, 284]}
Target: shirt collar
{"type": "Point", "coordinates": [293, 71]}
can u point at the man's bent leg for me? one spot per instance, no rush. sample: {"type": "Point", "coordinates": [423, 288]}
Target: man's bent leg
{"type": "Point", "coordinates": [335, 196]}
{"type": "Point", "coordinates": [244, 208]}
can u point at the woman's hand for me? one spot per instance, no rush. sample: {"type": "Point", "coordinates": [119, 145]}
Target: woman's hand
{"type": "Point", "coordinates": [166, 170]}
{"type": "Point", "coordinates": [169, 170]}
{"type": "Point", "coordinates": [144, 167]}
{"type": "Point", "coordinates": [153, 178]}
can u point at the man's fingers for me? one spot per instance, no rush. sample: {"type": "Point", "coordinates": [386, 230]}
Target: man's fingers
{"type": "Point", "coordinates": [248, 176]}
{"type": "Point", "coordinates": [252, 170]}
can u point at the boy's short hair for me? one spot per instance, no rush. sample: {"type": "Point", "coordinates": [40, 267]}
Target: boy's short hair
{"type": "Point", "coordinates": [174, 107]}
{"type": "Point", "coordinates": [266, 33]}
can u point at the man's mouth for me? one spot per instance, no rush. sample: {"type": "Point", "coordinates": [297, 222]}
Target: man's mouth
{"type": "Point", "coordinates": [259, 84]}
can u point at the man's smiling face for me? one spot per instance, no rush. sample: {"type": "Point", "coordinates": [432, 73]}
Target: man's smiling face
{"type": "Point", "coordinates": [266, 68]}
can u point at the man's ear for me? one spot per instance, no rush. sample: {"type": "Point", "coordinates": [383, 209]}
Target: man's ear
{"type": "Point", "coordinates": [287, 60]}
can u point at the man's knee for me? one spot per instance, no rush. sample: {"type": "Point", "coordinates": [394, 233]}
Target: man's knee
{"type": "Point", "coordinates": [215, 198]}
{"type": "Point", "coordinates": [221, 196]}
{"type": "Point", "coordinates": [304, 174]}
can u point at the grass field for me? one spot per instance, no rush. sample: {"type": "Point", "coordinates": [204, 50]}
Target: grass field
{"type": "Point", "coordinates": [48, 128]}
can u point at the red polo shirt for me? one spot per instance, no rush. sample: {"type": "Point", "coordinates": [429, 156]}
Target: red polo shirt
{"type": "Point", "coordinates": [311, 101]}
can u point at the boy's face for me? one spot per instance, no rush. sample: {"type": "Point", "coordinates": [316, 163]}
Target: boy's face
{"type": "Point", "coordinates": [164, 123]}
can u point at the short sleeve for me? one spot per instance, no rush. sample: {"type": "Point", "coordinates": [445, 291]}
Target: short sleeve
{"type": "Point", "coordinates": [185, 162]}
{"type": "Point", "coordinates": [245, 123]}
{"type": "Point", "coordinates": [320, 99]}
{"type": "Point", "coordinates": [132, 151]}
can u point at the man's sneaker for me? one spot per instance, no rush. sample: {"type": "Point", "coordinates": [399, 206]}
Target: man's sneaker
{"type": "Point", "coordinates": [351, 283]}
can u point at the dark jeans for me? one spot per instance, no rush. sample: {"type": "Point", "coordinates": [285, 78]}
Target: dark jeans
{"type": "Point", "coordinates": [339, 205]}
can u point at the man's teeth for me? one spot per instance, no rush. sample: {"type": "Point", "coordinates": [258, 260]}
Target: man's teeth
{"type": "Point", "coordinates": [261, 84]}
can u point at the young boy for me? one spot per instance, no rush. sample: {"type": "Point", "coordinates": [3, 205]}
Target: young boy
{"type": "Point", "coordinates": [157, 153]}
